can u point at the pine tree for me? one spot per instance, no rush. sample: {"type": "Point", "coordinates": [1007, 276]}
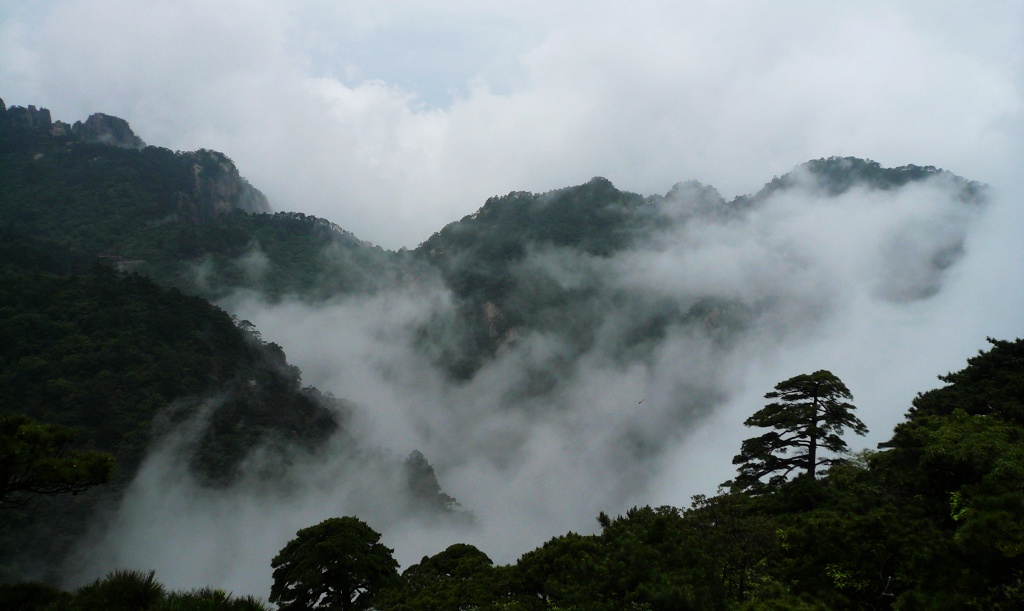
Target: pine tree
{"type": "Point", "coordinates": [808, 414]}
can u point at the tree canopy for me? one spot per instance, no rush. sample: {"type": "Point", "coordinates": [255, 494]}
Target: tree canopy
{"type": "Point", "coordinates": [340, 563]}
{"type": "Point", "coordinates": [38, 459]}
{"type": "Point", "coordinates": [809, 412]}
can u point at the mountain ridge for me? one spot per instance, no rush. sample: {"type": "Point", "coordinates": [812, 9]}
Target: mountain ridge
{"type": "Point", "coordinates": [561, 280]}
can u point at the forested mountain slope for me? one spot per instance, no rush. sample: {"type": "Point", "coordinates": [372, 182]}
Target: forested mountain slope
{"type": "Point", "coordinates": [126, 362]}
{"type": "Point", "coordinates": [186, 219]}
{"type": "Point", "coordinates": [110, 251]}
{"type": "Point", "coordinates": [88, 341]}
{"type": "Point", "coordinates": [189, 220]}
{"type": "Point", "coordinates": [554, 262]}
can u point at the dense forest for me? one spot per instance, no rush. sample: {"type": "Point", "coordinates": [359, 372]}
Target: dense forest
{"type": "Point", "coordinates": [90, 342]}
{"type": "Point", "coordinates": [112, 254]}
{"type": "Point", "coordinates": [931, 520]}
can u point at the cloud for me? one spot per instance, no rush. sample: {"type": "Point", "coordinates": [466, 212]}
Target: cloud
{"type": "Point", "coordinates": [392, 121]}
{"type": "Point", "coordinates": [326, 111]}
{"type": "Point", "coordinates": [599, 405]}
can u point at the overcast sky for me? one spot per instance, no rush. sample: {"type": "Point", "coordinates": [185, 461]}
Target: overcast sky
{"type": "Point", "coordinates": [392, 119]}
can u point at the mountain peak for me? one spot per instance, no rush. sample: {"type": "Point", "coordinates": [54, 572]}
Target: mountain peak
{"type": "Point", "coordinates": [99, 128]}
{"type": "Point", "coordinates": [21, 117]}
{"type": "Point", "coordinates": [106, 129]}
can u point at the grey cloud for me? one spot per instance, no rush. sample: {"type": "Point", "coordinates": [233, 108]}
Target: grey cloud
{"type": "Point", "coordinates": [727, 94]}
{"type": "Point", "coordinates": [555, 428]}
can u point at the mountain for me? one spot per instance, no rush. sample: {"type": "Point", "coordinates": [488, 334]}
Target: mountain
{"type": "Point", "coordinates": [88, 341]}
{"type": "Point", "coordinates": [504, 261]}
{"type": "Point", "coordinates": [113, 253]}
{"type": "Point", "coordinates": [182, 218]}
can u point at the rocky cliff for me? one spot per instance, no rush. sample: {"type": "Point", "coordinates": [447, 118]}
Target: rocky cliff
{"type": "Point", "coordinates": [105, 129]}
{"type": "Point", "coordinates": [210, 183]}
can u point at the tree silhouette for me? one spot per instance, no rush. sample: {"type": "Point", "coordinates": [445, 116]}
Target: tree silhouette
{"type": "Point", "coordinates": [337, 564]}
{"type": "Point", "coordinates": [808, 413]}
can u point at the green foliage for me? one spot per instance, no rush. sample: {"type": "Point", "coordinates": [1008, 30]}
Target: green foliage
{"type": "Point", "coordinates": [837, 175]}
{"type": "Point", "coordinates": [737, 542]}
{"type": "Point", "coordinates": [38, 459]}
{"type": "Point", "coordinates": [810, 413]}
{"type": "Point", "coordinates": [30, 596]}
{"type": "Point", "coordinates": [425, 491]}
{"type": "Point", "coordinates": [106, 353]}
{"type": "Point", "coordinates": [123, 362]}
{"type": "Point", "coordinates": [460, 577]}
{"type": "Point", "coordinates": [990, 385]}
{"type": "Point", "coordinates": [931, 522]}
{"type": "Point", "coordinates": [566, 572]}
{"type": "Point", "coordinates": [339, 563]}
{"type": "Point", "coordinates": [481, 258]}
{"type": "Point", "coordinates": [122, 590]}
{"type": "Point", "coordinates": [703, 558]}
{"type": "Point", "coordinates": [502, 263]}
{"type": "Point", "coordinates": [209, 599]}
{"type": "Point", "coordinates": [956, 463]}
{"type": "Point", "coordinates": [185, 219]}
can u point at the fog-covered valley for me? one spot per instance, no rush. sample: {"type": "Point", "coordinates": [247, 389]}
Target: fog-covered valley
{"type": "Point", "coordinates": [482, 274]}
{"type": "Point", "coordinates": [624, 382]}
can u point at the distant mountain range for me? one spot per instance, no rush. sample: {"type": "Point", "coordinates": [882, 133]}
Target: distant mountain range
{"type": "Point", "coordinates": [111, 252]}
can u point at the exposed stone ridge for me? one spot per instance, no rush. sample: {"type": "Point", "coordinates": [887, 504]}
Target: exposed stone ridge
{"type": "Point", "coordinates": [217, 183]}
{"type": "Point", "coordinates": [98, 128]}
{"type": "Point", "coordinates": [217, 187]}
{"type": "Point", "coordinates": [105, 129]}
{"type": "Point", "coordinates": [27, 118]}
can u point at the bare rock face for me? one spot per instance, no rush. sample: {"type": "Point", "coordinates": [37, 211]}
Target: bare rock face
{"type": "Point", "coordinates": [60, 129]}
{"type": "Point", "coordinates": [219, 188]}
{"type": "Point", "coordinates": [28, 118]}
{"type": "Point", "coordinates": [216, 187]}
{"type": "Point", "coordinates": [105, 129]}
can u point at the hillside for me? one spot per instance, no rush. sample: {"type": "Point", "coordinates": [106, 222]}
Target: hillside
{"type": "Point", "coordinates": [522, 263]}
{"type": "Point", "coordinates": [542, 262]}
{"type": "Point", "coordinates": [186, 219]}
{"type": "Point", "coordinates": [509, 340]}
{"type": "Point", "coordinates": [88, 341]}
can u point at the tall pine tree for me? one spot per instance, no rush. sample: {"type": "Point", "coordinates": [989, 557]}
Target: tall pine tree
{"type": "Point", "coordinates": [808, 413]}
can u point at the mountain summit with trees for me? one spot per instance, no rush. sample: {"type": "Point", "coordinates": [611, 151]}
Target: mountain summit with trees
{"type": "Point", "coordinates": [112, 254]}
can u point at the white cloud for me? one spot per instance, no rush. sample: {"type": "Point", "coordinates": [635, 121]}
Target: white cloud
{"type": "Point", "coordinates": [336, 111]}
{"type": "Point", "coordinates": [392, 119]}
{"type": "Point", "coordinates": [603, 430]}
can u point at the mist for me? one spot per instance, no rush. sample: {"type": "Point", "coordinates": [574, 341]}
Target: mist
{"type": "Point", "coordinates": [877, 286]}
{"type": "Point", "coordinates": [391, 121]}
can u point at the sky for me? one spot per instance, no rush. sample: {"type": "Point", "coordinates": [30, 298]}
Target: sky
{"type": "Point", "coordinates": [393, 119]}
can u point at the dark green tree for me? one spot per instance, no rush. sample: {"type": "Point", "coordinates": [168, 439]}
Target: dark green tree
{"type": "Point", "coordinates": [37, 458]}
{"type": "Point", "coordinates": [460, 577]}
{"type": "Point", "coordinates": [338, 564]}
{"type": "Point", "coordinates": [808, 413]}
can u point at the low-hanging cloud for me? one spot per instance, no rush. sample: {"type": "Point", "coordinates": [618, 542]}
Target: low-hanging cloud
{"type": "Point", "coordinates": [554, 429]}
{"type": "Point", "coordinates": [316, 105]}
{"type": "Point", "coordinates": [391, 121]}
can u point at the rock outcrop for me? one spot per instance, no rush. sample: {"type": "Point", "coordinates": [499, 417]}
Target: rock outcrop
{"type": "Point", "coordinates": [20, 117]}
{"type": "Point", "coordinates": [105, 129]}
{"type": "Point", "coordinates": [215, 188]}
{"type": "Point", "coordinates": [219, 188]}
